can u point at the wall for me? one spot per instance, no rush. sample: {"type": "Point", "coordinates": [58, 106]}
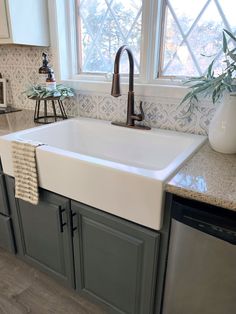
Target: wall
{"type": "Point", "coordinates": [20, 64]}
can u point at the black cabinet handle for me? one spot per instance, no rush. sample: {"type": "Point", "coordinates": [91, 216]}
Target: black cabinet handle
{"type": "Point", "coordinates": [72, 223]}
{"type": "Point", "coordinates": [62, 224]}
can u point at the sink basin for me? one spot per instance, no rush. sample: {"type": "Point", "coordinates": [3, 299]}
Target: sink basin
{"type": "Point", "coordinates": [119, 170]}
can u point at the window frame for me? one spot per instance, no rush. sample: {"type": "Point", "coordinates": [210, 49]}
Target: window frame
{"type": "Point", "coordinates": [64, 50]}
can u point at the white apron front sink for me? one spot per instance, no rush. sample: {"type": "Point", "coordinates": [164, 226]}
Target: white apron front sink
{"type": "Point", "coordinates": [119, 170]}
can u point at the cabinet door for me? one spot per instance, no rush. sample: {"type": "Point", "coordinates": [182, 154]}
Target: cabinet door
{"type": "Point", "coordinates": [6, 234]}
{"type": "Point", "coordinates": [4, 31]}
{"type": "Point", "coordinates": [115, 260]}
{"type": "Point", "coordinates": [24, 22]}
{"type": "Point", "coordinates": [44, 237]}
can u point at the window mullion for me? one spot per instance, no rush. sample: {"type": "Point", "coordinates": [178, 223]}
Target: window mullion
{"type": "Point", "coordinates": [223, 16]}
{"type": "Point", "coordinates": [161, 36]}
{"type": "Point", "coordinates": [151, 30]}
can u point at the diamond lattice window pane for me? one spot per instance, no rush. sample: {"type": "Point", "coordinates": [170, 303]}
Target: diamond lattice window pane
{"type": "Point", "coordinates": [194, 29]}
{"type": "Point", "coordinates": [188, 11]}
{"type": "Point", "coordinates": [173, 40]}
{"type": "Point", "coordinates": [181, 63]}
{"type": "Point", "coordinates": [211, 25]}
{"type": "Point", "coordinates": [229, 7]}
{"type": "Point", "coordinates": [104, 27]}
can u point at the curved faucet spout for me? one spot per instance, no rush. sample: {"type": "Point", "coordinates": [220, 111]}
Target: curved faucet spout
{"type": "Point", "coordinates": [116, 75]}
{"type": "Point", "coordinates": [115, 89]}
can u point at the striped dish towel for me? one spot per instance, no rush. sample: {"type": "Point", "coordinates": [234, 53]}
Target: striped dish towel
{"type": "Point", "coordinates": [25, 170]}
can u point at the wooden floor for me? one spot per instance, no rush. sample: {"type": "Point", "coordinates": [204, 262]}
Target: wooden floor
{"type": "Point", "coordinates": [24, 289]}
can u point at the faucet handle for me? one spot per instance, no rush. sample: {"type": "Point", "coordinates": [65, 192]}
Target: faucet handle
{"type": "Point", "coordinates": [141, 115]}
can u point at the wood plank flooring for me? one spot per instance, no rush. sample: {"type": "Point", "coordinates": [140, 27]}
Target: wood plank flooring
{"type": "Point", "coordinates": [24, 289]}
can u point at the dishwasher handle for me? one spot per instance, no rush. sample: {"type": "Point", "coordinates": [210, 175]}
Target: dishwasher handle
{"type": "Point", "coordinates": [216, 223]}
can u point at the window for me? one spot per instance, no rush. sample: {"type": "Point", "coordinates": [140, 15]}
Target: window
{"type": "Point", "coordinates": [104, 26]}
{"type": "Point", "coordinates": [192, 31]}
{"type": "Point", "coordinates": [169, 39]}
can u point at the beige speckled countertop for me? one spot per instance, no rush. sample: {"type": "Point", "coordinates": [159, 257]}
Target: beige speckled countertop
{"type": "Point", "coordinates": [16, 121]}
{"type": "Point", "coordinates": [209, 177]}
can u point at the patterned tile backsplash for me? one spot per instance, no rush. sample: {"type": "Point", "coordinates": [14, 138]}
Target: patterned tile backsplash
{"type": "Point", "coordinates": [164, 113]}
{"type": "Point", "coordinates": [19, 64]}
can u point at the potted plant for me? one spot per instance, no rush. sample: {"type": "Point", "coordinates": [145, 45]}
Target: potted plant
{"type": "Point", "coordinates": [222, 130]}
{"type": "Point", "coordinates": [41, 91]}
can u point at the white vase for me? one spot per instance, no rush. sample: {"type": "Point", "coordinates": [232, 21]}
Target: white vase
{"type": "Point", "coordinates": [222, 129]}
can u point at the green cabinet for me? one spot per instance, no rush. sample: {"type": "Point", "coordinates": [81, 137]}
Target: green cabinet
{"type": "Point", "coordinates": [115, 260]}
{"type": "Point", "coordinates": [106, 258]}
{"type": "Point", "coordinates": [43, 234]}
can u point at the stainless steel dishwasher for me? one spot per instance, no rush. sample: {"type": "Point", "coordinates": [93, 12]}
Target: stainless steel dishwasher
{"type": "Point", "coordinates": [201, 267]}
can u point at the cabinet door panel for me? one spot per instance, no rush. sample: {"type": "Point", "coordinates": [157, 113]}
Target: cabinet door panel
{"type": "Point", "coordinates": [115, 261]}
{"type": "Point", "coordinates": [6, 234]}
{"type": "Point", "coordinates": [118, 261]}
{"type": "Point", "coordinates": [4, 208]}
{"type": "Point", "coordinates": [43, 241]}
{"type": "Point", "coordinates": [4, 31]}
{"type": "Point", "coordinates": [43, 233]}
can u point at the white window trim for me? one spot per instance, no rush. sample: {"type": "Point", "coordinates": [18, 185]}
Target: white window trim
{"type": "Point", "coordinates": [63, 44]}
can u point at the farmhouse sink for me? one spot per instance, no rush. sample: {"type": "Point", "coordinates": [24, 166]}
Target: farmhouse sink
{"type": "Point", "coordinates": [119, 170]}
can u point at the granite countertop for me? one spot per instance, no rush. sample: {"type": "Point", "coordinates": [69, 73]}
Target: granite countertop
{"type": "Point", "coordinates": [209, 177]}
{"type": "Point", "coordinates": [16, 121]}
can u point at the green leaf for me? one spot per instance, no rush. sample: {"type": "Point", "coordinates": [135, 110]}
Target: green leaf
{"type": "Point", "coordinates": [186, 97]}
{"type": "Point", "coordinates": [209, 70]}
{"type": "Point", "coordinates": [195, 97]}
{"type": "Point", "coordinates": [230, 34]}
{"type": "Point", "coordinates": [225, 45]}
{"type": "Point", "coordinates": [232, 55]}
{"type": "Point", "coordinates": [207, 56]}
{"type": "Point", "coordinates": [199, 90]}
{"type": "Point", "coordinates": [200, 85]}
{"type": "Point", "coordinates": [195, 78]}
{"type": "Point", "coordinates": [211, 84]}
